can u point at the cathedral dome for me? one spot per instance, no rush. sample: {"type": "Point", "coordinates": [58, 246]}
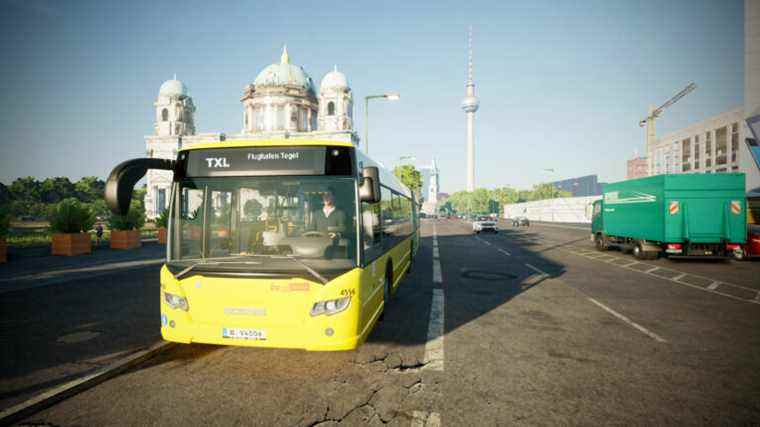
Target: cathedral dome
{"type": "Point", "coordinates": [334, 79]}
{"type": "Point", "coordinates": [173, 87]}
{"type": "Point", "coordinates": [283, 74]}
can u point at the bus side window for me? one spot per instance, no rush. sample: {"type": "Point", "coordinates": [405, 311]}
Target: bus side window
{"type": "Point", "coordinates": [371, 230]}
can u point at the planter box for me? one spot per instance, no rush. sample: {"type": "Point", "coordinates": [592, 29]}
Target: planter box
{"type": "Point", "coordinates": [121, 239]}
{"type": "Point", "coordinates": [162, 236]}
{"type": "Point", "coordinates": [71, 244]}
{"type": "Point", "coordinates": [3, 250]}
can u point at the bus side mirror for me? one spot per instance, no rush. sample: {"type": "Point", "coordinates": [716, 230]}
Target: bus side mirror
{"type": "Point", "coordinates": [369, 191]}
{"type": "Point", "coordinates": [121, 182]}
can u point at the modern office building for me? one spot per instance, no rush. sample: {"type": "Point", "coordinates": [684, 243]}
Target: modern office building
{"type": "Point", "coordinates": [582, 186]}
{"type": "Point", "coordinates": [710, 146]}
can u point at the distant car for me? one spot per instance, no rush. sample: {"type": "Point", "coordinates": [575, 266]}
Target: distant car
{"type": "Point", "coordinates": [751, 249]}
{"type": "Point", "coordinates": [519, 221]}
{"type": "Point", "coordinates": [484, 223]}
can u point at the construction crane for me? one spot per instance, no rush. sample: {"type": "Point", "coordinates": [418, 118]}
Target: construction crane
{"type": "Point", "coordinates": [654, 113]}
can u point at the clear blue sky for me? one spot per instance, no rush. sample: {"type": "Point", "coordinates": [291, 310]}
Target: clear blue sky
{"type": "Point", "coordinates": [562, 85]}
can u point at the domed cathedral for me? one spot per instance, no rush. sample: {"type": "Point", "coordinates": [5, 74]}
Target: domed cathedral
{"type": "Point", "coordinates": [281, 99]}
{"type": "Point", "coordinates": [282, 102]}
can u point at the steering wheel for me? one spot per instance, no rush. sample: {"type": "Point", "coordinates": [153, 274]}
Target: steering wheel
{"type": "Point", "coordinates": [313, 234]}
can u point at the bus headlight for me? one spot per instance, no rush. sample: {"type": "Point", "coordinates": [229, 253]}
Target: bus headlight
{"type": "Point", "coordinates": [176, 302]}
{"type": "Point", "coordinates": [330, 307]}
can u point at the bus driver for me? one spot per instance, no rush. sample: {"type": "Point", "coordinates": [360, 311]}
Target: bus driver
{"type": "Point", "coordinates": [329, 220]}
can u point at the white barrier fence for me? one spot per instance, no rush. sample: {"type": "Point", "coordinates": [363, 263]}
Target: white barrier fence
{"type": "Point", "coordinates": [568, 209]}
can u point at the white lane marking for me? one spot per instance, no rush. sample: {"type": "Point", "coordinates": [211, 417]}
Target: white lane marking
{"type": "Point", "coordinates": [630, 264]}
{"type": "Point", "coordinates": [713, 286]}
{"type": "Point", "coordinates": [651, 269]}
{"type": "Point", "coordinates": [437, 276]}
{"type": "Point", "coordinates": [536, 269]}
{"type": "Point", "coordinates": [434, 346]}
{"type": "Point", "coordinates": [679, 277]}
{"type": "Point", "coordinates": [628, 321]}
{"type": "Point", "coordinates": [486, 242]}
{"type": "Point", "coordinates": [504, 252]}
{"type": "Point", "coordinates": [757, 297]}
{"type": "Point", "coordinates": [426, 419]}
{"type": "Point", "coordinates": [436, 254]}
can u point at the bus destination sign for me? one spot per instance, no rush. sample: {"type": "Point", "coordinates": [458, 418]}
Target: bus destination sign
{"type": "Point", "coordinates": [257, 161]}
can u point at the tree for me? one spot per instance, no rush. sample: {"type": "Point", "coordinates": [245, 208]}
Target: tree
{"type": "Point", "coordinates": [26, 188]}
{"type": "Point", "coordinates": [504, 196]}
{"type": "Point", "coordinates": [53, 190]}
{"type": "Point", "coordinates": [547, 191]}
{"type": "Point", "coordinates": [409, 176]}
{"type": "Point", "coordinates": [90, 189]}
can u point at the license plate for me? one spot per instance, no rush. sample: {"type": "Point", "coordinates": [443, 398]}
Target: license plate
{"type": "Point", "coordinates": [244, 334]}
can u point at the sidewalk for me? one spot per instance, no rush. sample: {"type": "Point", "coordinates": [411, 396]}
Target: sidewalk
{"type": "Point", "coordinates": [25, 265]}
{"type": "Point", "coordinates": [30, 272]}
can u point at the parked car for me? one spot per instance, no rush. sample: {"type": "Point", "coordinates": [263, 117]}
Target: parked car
{"type": "Point", "coordinates": [520, 221]}
{"type": "Point", "coordinates": [484, 223]}
{"type": "Point", "coordinates": [751, 249]}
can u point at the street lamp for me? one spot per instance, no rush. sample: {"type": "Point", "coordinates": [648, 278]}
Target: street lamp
{"type": "Point", "coordinates": [390, 96]}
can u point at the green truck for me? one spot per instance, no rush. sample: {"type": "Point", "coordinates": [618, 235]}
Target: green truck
{"type": "Point", "coordinates": [677, 215]}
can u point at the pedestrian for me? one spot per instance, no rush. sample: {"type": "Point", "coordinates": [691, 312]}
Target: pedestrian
{"type": "Point", "coordinates": [99, 232]}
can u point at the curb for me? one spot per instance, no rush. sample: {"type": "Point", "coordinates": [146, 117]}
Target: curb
{"type": "Point", "coordinates": [49, 398]}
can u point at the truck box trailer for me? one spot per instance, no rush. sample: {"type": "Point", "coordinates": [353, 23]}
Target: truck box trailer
{"type": "Point", "coordinates": [677, 215]}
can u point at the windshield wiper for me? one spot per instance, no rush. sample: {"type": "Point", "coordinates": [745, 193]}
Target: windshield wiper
{"type": "Point", "coordinates": [309, 269]}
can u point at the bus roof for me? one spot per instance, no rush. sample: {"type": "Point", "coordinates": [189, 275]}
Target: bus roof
{"type": "Point", "coordinates": [279, 142]}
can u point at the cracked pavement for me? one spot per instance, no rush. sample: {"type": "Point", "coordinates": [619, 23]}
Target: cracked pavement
{"type": "Point", "coordinates": [520, 348]}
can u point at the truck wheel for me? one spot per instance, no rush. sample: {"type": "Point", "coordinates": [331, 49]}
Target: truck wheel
{"type": "Point", "coordinates": [638, 251]}
{"type": "Point", "coordinates": [599, 243]}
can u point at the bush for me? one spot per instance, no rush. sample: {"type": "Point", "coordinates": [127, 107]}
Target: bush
{"type": "Point", "coordinates": [5, 219]}
{"type": "Point", "coordinates": [163, 220]}
{"type": "Point", "coordinates": [71, 216]}
{"type": "Point", "coordinates": [134, 219]}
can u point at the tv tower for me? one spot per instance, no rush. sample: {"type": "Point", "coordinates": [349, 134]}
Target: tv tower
{"type": "Point", "coordinates": [470, 105]}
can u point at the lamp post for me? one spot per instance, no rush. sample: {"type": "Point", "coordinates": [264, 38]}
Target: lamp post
{"type": "Point", "coordinates": [391, 96]}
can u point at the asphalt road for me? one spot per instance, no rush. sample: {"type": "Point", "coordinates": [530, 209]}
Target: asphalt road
{"type": "Point", "coordinates": [538, 329]}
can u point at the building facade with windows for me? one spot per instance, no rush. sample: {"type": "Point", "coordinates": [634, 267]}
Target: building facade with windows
{"type": "Point", "coordinates": [713, 145]}
{"type": "Point", "coordinates": [281, 102]}
{"type": "Point", "coordinates": [637, 168]}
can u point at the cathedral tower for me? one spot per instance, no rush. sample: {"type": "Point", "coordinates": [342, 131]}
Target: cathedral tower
{"type": "Point", "coordinates": [336, 102]}
{"type": "Point", "coordinates": [174, 110]}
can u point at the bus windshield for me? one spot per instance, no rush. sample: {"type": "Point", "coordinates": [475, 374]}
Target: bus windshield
{"type": "Point", "coordinates": [266, 223]}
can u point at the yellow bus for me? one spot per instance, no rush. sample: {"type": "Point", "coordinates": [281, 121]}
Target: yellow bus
{"type": "Point", "coordinates": [277, 243]}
